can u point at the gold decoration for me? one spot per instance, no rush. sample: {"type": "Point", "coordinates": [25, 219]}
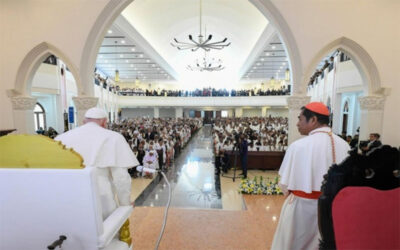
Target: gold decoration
{"type": "Point", "coordinates": [125, 234]}
{"type": "Point", "coordinates": [36, 151]}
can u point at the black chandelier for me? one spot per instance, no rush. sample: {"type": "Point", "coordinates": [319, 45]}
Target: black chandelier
{"type": "Point", "coordinates": [206, 44]}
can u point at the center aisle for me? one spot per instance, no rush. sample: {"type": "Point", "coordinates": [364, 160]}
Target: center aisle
{"type": "Point", "coordinates": [192, 178]}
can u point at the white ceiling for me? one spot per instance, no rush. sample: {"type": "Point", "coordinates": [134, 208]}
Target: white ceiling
{"type": "Point", "coordinates": [150, 26]}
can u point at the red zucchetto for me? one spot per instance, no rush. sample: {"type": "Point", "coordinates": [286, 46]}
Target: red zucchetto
{"type": "Point", "coordinates": [318, 107]}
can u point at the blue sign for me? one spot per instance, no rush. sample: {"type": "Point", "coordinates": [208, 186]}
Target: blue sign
{"type": "Point", "coordinates": [71, 115]}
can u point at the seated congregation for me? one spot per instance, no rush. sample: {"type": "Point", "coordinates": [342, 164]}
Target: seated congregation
{"type": "Point", "coordinates": [156, 141]}
{"type": "Point", "coordinates": [264, 136]}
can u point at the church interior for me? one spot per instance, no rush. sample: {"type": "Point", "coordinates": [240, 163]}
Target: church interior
{"type": "Point", "coordinates": [183, 84]}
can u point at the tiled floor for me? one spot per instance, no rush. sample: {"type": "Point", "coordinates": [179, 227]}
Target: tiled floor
{"type": "Point", "coordinates": [209, 229]}
{"type": "Point", "coordinates": [207, 212]}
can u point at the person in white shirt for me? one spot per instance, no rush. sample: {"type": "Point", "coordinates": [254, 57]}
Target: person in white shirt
{"type": "Point", "coordinates": [251, 147]}
{"type": "Point", "coordinates": [265, 146]}
{"type": "Point", "coordinates": [305, 163]}
{"type": "Point", "coordinates": [107, 151]}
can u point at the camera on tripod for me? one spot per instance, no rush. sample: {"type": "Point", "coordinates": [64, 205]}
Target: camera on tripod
{"type": "Point", "coordinates": [363, 144]}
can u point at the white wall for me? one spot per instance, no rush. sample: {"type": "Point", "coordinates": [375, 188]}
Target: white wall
{"type": "Point", "coordinates": [164, 113]}
{"type": "Point", "coordinates": [138, 112]}
{"type": "Point", "coordinates": [348, 76]}
{"type": "Point", "coordinates": [274, 112]}
{"type": "Point", "coordinates": [251, 112]}
{"type": "Point", "coordinates": [46, 78]}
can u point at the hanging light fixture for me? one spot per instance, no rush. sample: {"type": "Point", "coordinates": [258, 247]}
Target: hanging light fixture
{"type": "Point", "coordinates": [116, 77]}
{"type": "Point", "coordinates": [287, 74]}
{"type": "Point", "coordinates": [206, 44]}
{"type": "Point", "coordinates": [206, 64]}
{"type": "Point", "coordinates": [137, 81]}
{"type": "Point", "coordinates": [272, 82]}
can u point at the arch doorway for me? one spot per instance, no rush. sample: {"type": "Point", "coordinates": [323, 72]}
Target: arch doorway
{"type": "Point", "coordinates": [345, 117]}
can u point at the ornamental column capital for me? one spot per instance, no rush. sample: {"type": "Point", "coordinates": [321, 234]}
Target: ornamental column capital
{"type": "Point", "coordinates": [23, 102]}
{"type": "Point", "coordinates": [372, 102]}
{"type": "Point", "coordinates": [296, 102]}
{"type": "Point", "coordinates": [85, 102]}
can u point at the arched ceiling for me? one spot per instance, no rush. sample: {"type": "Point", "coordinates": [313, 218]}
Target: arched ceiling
{"type": "Point", "coordinates": [157, 23]}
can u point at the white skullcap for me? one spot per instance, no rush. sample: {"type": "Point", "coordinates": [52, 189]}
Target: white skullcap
{"type": "Point", "coordinates": [96, 113]}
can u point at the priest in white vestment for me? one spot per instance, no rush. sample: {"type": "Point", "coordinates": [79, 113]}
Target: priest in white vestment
{"type": "Point", "coordinates": [150, 160]}
{"type": "Point", "coordinates": [107, 151]}
{"type": "Point", "coordinates": [301, 174]}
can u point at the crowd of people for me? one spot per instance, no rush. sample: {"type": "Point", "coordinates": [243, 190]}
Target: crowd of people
{"type": "Point", "coordinates": [364, 146]}
{"type": "Point", "coordinates": [156, 141]}
{"type": "Point", "coordinates": [262, 134]}
{"type": "Point", "coordinates": [103, 82]}
{"type": "Point", "coordinates": [203, 92]}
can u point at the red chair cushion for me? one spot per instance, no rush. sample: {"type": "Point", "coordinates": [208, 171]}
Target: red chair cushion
{"type": "Point", "coordinates": [366, 218]}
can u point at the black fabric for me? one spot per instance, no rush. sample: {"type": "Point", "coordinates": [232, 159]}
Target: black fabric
{"type": "Point", "coordinates": [376, 170]}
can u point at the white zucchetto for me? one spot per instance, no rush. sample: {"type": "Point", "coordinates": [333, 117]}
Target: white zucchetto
{"type": "Point", "coordinates": [96, 113]}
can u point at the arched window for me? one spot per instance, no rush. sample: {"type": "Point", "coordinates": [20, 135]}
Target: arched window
{"type": "Point", "coordinates": [346, 107]}
{"type": "Point", "coordinates": [39, 116]}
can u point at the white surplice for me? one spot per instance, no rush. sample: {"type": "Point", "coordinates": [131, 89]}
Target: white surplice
{"type": "Point", "coordinates": [109, 152]}
{"type": "Point", "coordinates": [305, 163]}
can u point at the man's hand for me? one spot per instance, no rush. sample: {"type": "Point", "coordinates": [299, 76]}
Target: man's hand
{"type": "Point", "coordinates": [133, 204]}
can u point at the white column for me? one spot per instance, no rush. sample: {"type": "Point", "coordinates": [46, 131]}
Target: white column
{"type": "Point", "coordinates": [82, 104]}
{"type": "Point", "coordinates": [116, 107]}
{"type": "Point", "coordinates": [294, 104]}
{"type": "Point", "coordinates": [372, 108]}
{"type": "Point", "coordinates": [230, 112]}
{"type": "Point", "coordinates": [238, 112]}
{"type": "Point", "coordinates": [337, 113]}
{"type": "Point", "coordinates": [264, 111]}
{"type": "Point", "coordinates": [23, 114]}
{"type": "Point", "coordinates": [186, 113]}
{"type": "Point", "coordinates": [60, 114]}
{"type": "Point", "coordinates": [178, 112]}
{"type": "Point", "coordinates": [156, 112]}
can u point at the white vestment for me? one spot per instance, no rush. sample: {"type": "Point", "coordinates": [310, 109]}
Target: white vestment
{"type": "Point", "coordinates": [109, 152]}
{"type": "Point", "coordinates": [306, 161]}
